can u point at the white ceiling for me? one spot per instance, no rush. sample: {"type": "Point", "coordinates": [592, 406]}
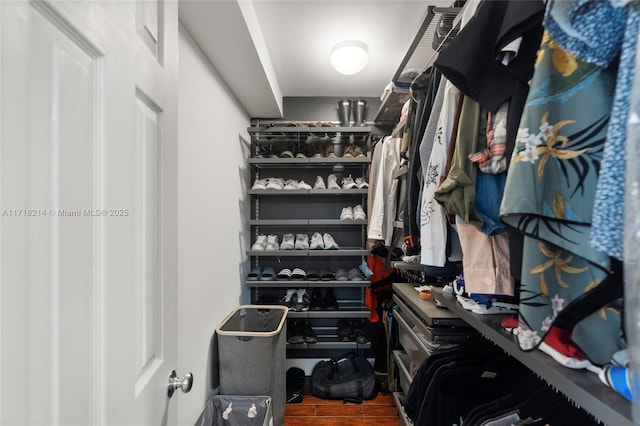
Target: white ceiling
{"type": "Point", "coordinates": [267, 49]}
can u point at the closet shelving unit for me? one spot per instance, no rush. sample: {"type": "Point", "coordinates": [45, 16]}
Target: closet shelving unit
{"type": "Point", "coordinates": [419, 56]}
{"type": "Point", "coordinates": [580, 386]}
{"type": "Point", "coordinates": [307, 211]}
{"type": "Point", "coordinates": [419, 321]}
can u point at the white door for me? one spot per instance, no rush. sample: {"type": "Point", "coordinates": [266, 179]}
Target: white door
{"type": "Point", "coordinates": [88, 170]}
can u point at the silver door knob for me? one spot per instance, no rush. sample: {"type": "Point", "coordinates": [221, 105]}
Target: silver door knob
{"type": "Point", "coordinates": [175, 382]}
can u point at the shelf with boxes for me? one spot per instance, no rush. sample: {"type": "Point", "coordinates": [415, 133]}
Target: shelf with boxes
{"type": "Point", "coordinates": [308, 231]}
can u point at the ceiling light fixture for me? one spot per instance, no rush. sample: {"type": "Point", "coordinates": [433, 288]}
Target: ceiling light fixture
{"type": "Point", "coordinates": [349, 57]}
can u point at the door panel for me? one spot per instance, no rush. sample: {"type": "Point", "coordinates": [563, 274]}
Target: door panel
{"type": "Point", "coordinates": [88, 212]}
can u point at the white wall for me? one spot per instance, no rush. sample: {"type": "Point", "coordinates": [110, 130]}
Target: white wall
{"type": "Point", "coordinates": [213, 213]}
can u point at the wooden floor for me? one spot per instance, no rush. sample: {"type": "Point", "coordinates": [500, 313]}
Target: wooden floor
{"type": "Point", "coordinates": [379, 411]}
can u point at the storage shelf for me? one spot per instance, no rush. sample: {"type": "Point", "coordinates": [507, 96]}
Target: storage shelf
{"type": "Point", "coordinates": [336, 313]}
{"type": "Point", "coordinates": [305, 222]}
{"type": "Point", "coordinates": [581, 386]}
{"type": "Point", "coordinates": [391, 107]}
{"type": "Point", "coordinates": [280, 192]}
{"type": "Point", "coordinates": [304, 284]}
{"type": "Point", "coordinates": [428, 311]}
{"type": "Point", "coordinates": [346, 252]}
{"type": "Point", "coordinates": [397, 264]}
{"type": "Point", "coordinates": [310, 130]}
{"type": "Point", "coordinates": [345, 346]}
{"type": "Point", "coordinates": [302, 162]}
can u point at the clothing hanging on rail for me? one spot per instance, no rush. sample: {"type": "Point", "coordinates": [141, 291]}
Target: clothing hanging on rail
{"type": "Point", "coordinates": [478, 383]}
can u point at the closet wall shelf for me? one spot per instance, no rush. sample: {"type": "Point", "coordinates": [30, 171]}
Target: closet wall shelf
{"type": "Point", "coordinates": [328, 344]}
{"type": "Point", "coordinates": [305, 284]}
{"type": "Point", "coordinates": [305, 222]}
{"type": "Point", "coordinates": [310, 130]}
{"type": "Point", "coordinates": [391, 107]}
{"type": "Point", "coordinates": [419, 56]}
{"type": "Point", "coordinates": [343, 252]}
{"type": "Point", "coordinates": [580, 386]}
{"type": "Point", "coordinates": [398, 264]}
{"type": "Point", "coordinates": [280, 192]}
{"type": "Point", "coordinates": [329, 314]}
{"type": "Point", "coordinates": [301, 162]}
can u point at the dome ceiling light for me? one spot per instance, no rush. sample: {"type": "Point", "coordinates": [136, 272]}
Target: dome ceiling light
{"type": "Point", "coordinates": [349, 57]}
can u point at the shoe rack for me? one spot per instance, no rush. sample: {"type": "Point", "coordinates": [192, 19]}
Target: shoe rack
{"type": "Point", "coordinates": [302, 151]}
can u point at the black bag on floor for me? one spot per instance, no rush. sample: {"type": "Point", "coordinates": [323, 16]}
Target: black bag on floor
{"type": "Point", "coordinates": [349, 377]}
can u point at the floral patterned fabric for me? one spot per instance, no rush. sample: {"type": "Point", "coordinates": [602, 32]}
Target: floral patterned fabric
{"type": "Point", "coordinates": [551, 183]}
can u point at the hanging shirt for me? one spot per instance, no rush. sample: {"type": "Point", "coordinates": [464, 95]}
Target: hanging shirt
{"type": "Point", "coordinates": [383, 211]}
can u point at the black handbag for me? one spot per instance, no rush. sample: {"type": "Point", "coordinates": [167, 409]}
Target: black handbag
{"type": "Point", "coordinates": [349, 377]}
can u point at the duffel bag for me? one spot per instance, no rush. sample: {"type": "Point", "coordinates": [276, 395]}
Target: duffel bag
{"type": "Point", "coordinates": [349, 377]}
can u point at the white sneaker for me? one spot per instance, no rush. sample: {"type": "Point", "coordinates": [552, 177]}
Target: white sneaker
{"type": "Point", "coordinates": [275, 183]}
{"type": "Point", "coordinates": [361, 182]}
{"type": "Point", "coordinates": [329, 242]}
{"type": "Point", "coordinates": [272, 242]}
{"type": "Point", "coordinates": [303, 185]}
{"type": "Point", "coordinates": [287, 242]}
{"type": "Point", "coordinates": [358, 213]}
{"type": "Point", "coordinates": [347, 214]}
{"type": "Point", "coordinates": [317, 242]}
{"type": "Point", "coordinates": [289, 299]}
{"type": "Point", "coordinates": [319, 183]}
{"type": "Point", "coordinates": [290, 184]}
{"type": "Point", "coordinates": [332, 182]}
{"type": "Point", "coordinates": [302, 242]}
{"type": "Point", "coordinates": [348, 183]}
{"type": "Point", "coordinates": [260, 244]}
{"type": "Point", "coordinates": [259, 184]}
{"type": "Point", "coordinates": [302, 300]}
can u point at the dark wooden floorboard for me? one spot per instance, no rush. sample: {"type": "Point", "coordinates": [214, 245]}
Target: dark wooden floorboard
{"type": "Point", "coordinates": [379, 411]}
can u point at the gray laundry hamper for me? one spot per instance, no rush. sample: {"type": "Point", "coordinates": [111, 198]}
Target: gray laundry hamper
{"type": "Point", "coordinates": [236, 410]}
{"type": "Point", "coordinates": [252, 354]}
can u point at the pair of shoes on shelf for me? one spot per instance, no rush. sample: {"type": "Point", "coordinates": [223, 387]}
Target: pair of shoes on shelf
{"type": "Point", "coordinates": [299, 242]}
{"type": "Point", "coordinates": [322, 241]}
{"type": "Point", "coordinates": [332, 180]}
{"type": "Point", "coordinates": [294, 184]}
{"type": "Point", "coordinates": [268, 183]}
{"type": "Point", "coordinates": [321, 303]}
{"type": "Point", "coordinates": [258, 274]}
{"type": "Point", "coordinates": [296, 299]}
{"type": "Point", "coordinates": [349, 183]}
{"type": "Point", "coordinates": [299, 332]}
{"type": "Point", "coordinates": [353, 151]}
{"type": "Point", "coordinates": [266, 242]}
{"type": "Point", "coordinates": [353, 213]}
{"type": "Point", "coordinates": [295, 274]}
{"type": "Point", "coordinates": [351, 331]}
{"type": "Point", "coordinates": [324, 150]}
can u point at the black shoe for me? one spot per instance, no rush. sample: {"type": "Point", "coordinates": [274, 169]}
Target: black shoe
{"type": "Point", "coordinates": [308, 334]}
{"type": "Point", "coordinates": [295, 333]}
{"type": "Point", "coordinates": [329, 301]}
{"type": "Point", "coordinates": [316, 303]}
{"type": "Point", "coordinates": [344, 331]}
{"type": "Point", "coordinates": [295, 385]}
{"type": "Point", "coordinates": [359, 335]}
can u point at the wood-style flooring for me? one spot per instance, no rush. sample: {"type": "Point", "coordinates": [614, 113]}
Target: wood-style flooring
{"type": "Point", "coordinates": [380, 411]}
